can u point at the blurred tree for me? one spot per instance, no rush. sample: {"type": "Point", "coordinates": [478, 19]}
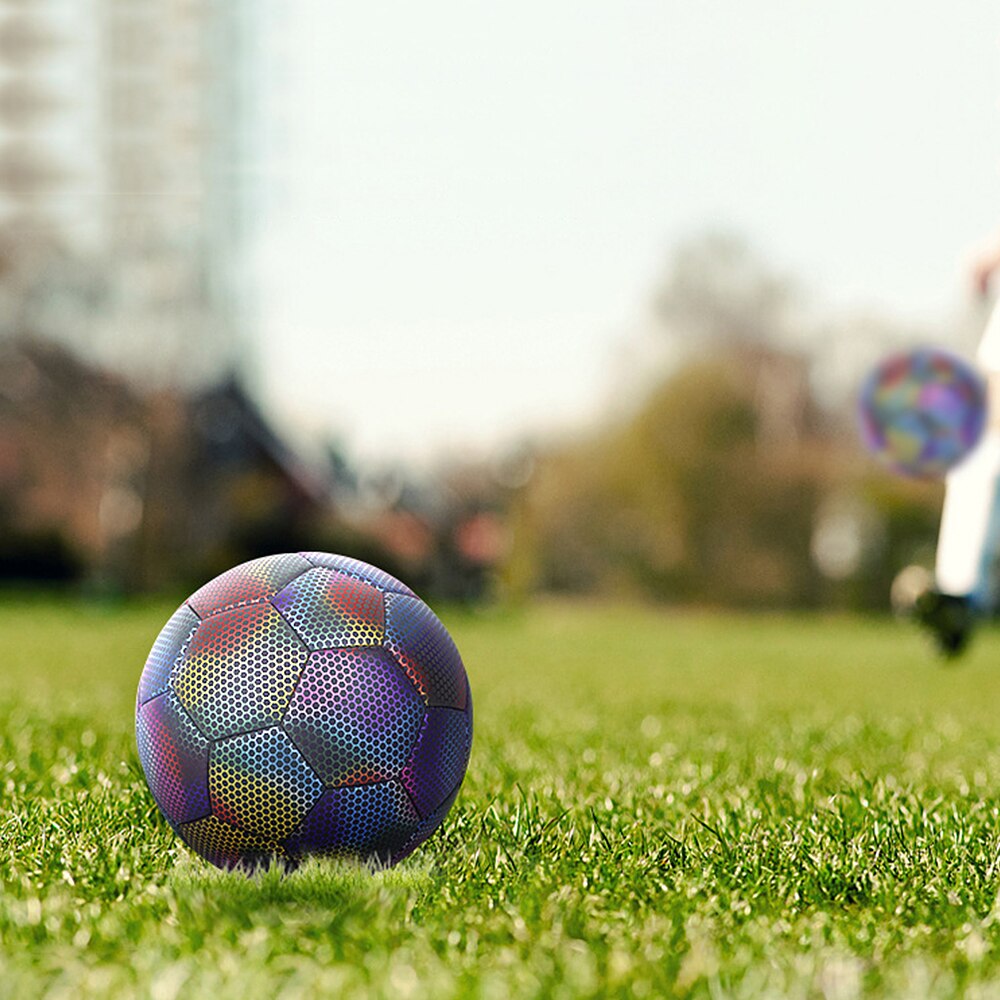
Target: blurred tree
{"type": "Point", "coordinates": [720, 484]}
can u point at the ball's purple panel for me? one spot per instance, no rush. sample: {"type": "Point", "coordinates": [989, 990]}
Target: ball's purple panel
{"type": "Point", "coordinates": [415, 636]}
{"type": "Point", "coordinates": [227, 847]}
{"type": "Point", "coordinates": [249, 582]}
{"type": "Point", "coordinates": [361, 570]}
{"type": "Point", "coordinates": [354, 716]}
{"type": "Point", "coordinates": [174, 757]}
{"type": "Point", "coordinates": [240, 670]}
{"type": "Point", "coordinates": [437, 764]}
{"type": "Point", "coordinates": [260, 783]}
{"type": "Point", "coordinates": [328, 609]}
{"type": "Point", "coordinates": [426, 827]}
{"type": "Point", "coordinates": [167, 650]}
{"type": "Point", "coordinates": [366, 821]}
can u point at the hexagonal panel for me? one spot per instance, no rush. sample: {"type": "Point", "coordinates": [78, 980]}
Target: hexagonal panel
{"type": "Point", "coordinates": [239, 671]}
{"type": "Point", "coordinates": [249, 582]}
{"type": "Point", "coordinates": [328, 609]}
{"type": "Point", "coordinates": [418, 640]}
{"type": "Point", "coordinates": [167, 650]}
{"type": "Point", "coordinates": [174, 756]}
{"type": "Point", "coordinates": [366, 821]}
{"type": "Point", "coordinates": [437, 764]}
{"type": "Point", "coordinates": [260, 783]}
{"type": "Point", "coordinates": [227, 847]}
{"type": "Point", "coordinates": [361, 570]}
{"type": "Point", "coordinates": [354, 716]}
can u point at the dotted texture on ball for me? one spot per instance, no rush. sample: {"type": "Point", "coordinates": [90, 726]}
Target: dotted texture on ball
{"type": "Point", "coordinates": [240, 670]}
{"type": "Point", "coordinates": [361, 570]}
{"type": "Point", "coordinates": [328, 609]}
{"type": "Point", "coordinates": [174, 757]}
{"type": "Point", "coordinates": [169, 647]}
{"type": "Point", "coordinates": [227, 847]}
{"type": "Point", "coordinates": [249, 582]}
{"type": "Point", "coordinates": [437, 764]}
{"type": "Point", "coordinates": [354, 715]}
{"type": "Point", "coordinates": [421, 644]}
{"type": "Point", "coordinates": [304, 704]}
{"type": "Point", "coordinates": [367, 821]}
{"type": "Point", "coordinates": [426, 827]}
{"type": "Point", "coordinates": [260, 783]}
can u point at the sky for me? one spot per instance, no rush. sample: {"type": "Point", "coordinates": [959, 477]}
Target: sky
{"type": "Point", "coordinates": [470, 203]}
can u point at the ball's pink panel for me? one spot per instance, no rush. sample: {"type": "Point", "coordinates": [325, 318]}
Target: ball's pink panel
{"type": "Point", "coordinates": [415, 636]}
{"type": "Point", "coordinates": [328, 609]}
{"type": "Point", "coordinates": [362, 570]}
{"type": "Point", "coordinates": [174, 757]}
{"type": "Point", "coordinates": [249, 582]}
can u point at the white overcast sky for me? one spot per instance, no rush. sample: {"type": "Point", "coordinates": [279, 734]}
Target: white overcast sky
{"type": "Point", "coordinates": [474, 198]}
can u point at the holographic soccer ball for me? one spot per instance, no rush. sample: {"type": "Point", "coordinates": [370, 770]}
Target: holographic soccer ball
{"type": "Point", "coordinates": [303, 704]}
{"type": "Point", "coordinates": [922, 412]}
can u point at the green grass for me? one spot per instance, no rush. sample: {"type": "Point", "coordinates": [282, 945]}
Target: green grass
{"type": "Point", "coordinates": [657, 804]}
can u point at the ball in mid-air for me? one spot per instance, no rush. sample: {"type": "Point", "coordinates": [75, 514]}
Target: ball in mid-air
{"type": "Point", "coordinates": [922, 411]}
{"type": "Point", "coordinates": [304, 704]}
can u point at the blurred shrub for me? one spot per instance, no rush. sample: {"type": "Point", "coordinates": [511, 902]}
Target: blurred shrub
{"type": "Point", "coordinates": [713, 492]}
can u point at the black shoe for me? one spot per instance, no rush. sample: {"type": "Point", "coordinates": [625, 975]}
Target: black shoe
{"type": "Point", "coordinates": [948, 618]}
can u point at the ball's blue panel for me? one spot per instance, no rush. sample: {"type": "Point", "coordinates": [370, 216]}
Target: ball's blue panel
{"type": "Point", "coordinates": [259, 782]}
{"type": "Point", "coordinates": [240, 670]}
{"type": "Point", "coordinates": [421, 644]}
{"type": "Point", "coordinates": [174, 757]}
{"type": "Point", "coordinates": [366, 821]}
{"type": "Point", "coordinates": [439, 759]}
{"type": "Point", "coordinates": [354, 715]}
{"type": "Point", "coordinates": [356, 568]}
{"type": "Point", "coordinates": [169, 647]}
{"type": "Point", "coordinates": [328, 609]}
{"type": "Point", "coordinates": [247, 583]}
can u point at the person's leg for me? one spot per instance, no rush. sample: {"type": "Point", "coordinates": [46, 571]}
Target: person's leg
{"type": "Point", "coordinates": [969, 538]}
{"type": "Point", "coordinates": [970, 526]}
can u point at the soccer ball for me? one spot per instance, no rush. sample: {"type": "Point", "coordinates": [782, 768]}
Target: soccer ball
{"type": "Point", "coordinates": [303, 704]}
{"type": "Point", "coordinates": [922, 412]}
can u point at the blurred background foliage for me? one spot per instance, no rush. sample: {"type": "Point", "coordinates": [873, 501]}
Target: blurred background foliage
{"type": "Point", "coordinates": [137, 453]}
{"type": "Point", "coordinates": [727, 472]}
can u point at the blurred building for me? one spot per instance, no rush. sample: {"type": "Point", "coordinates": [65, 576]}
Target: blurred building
{"type": "Point", "coordinates": [124, 198]}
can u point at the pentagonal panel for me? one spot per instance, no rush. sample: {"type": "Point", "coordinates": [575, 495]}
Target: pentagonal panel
{"type": "Point", "coordinates": [426, 652]}
{"type": "Point", "coordinates": [174, 756]}
{"type": "Point", "coordinates": [167, 650]}
{"type": "Point", "coordinates": [246, 583]}
{"type": "Point", "coordinates": [354, 716]}
{"type": "Point", "coordinates": [329, 609]}
{"type": "Point", "coordinates": [437, 764]}
{"type": "Point", "coordinates": [239, 671]}
{"type": "Point", "coordinates": [227, 847]}
{"type": "Point", "coordinates": [361, 570]}
{"type": "Point", "coordinates": [366, 821]}
{"type": "Point", "coordinates": [260, 783]}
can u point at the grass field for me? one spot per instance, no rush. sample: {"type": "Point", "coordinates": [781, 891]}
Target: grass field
{"type": "Point", "coordinates": [657, 804]}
